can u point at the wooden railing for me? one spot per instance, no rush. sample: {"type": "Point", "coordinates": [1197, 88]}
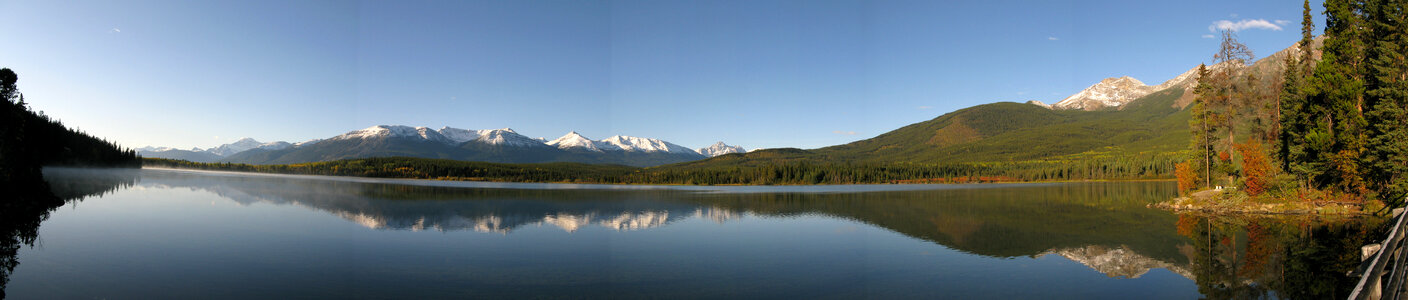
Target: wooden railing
{"type": "Point", "coordinates": [1382, 277]}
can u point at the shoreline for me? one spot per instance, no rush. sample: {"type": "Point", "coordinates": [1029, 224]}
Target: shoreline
{"type": "Point", "coordinates": [1223, 202]}
{"type": "Point", "coordinates": [467, 179]}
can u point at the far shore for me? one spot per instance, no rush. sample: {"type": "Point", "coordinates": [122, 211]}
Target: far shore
{"type": "Point", "coordinates": [463, 179]}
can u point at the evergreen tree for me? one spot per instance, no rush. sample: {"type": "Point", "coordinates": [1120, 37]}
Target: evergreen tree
{"type": "Point", "coordinates": [1337, 135]}
{"type": "Point", "coordinates": [1387, 99]}
{"type": "Point", "coordinates": [13, 160]}
{"type": "Point", "coordinates": [1201, 126]}
{"type": "Point", "coordinates": [1295, 111]}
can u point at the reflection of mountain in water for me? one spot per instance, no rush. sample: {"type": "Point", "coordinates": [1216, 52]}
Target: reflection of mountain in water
{"type": "Point", "coordinates": [1118, 262]}
{"type": "Point", "coordinates": [1000, 222]}
{"type": "Point", "coordinates": [622, 221]}
{"type": "Point", "coordinates": [402, 207]}
{"type": "Point", "coordinates": [1104, 226]}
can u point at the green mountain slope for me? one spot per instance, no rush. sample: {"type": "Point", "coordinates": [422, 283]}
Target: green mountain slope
{"type": "Point", "coordinates": [1014, 131]}
{"type": "Point", "coordinates": [1151, 128]}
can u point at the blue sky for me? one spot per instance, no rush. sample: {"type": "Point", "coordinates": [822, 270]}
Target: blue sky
{"type": "Point", "coordinates": [759, 74]}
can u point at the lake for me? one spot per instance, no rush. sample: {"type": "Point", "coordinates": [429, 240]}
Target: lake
{"type": "Point", "coordinates": [136, 234]}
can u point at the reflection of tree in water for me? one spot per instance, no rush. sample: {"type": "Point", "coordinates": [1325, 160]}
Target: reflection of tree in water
{"type": "Point", "coordinates": [1104, 226]}
{"type": "Point", "coordinates": [998, 222]}
{"type": "Point", "coordinates": [29, 201]}
{"type": "Point", "coordinates": [1261, 257]}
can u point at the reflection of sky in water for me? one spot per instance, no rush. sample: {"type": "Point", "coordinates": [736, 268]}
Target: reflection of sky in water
{"type": "Point", "coordinates": [186, 235]}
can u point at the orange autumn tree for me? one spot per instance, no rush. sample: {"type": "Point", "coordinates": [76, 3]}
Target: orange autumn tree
{"type": "Point", "coordinates": [1256, 167]}
{"type": "Point", "coordinates": [1187, 177]}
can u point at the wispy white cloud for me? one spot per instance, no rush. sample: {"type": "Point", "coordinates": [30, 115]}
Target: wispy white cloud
{"type": "Point", "coordinates": [1208, 36]}
{"type": "Point", "coordinates": [1242, 25]}
{"type": "Point", "coordinates": [1052, 38]}
{"type": "Point", "coordinates": [1283, 22]}
{"type": "Point", "coordinates": [115, 30]}
{"type": "Point", "coordinates": [925, 107]}
{"type": "Point", "coordinates": [844, 132]}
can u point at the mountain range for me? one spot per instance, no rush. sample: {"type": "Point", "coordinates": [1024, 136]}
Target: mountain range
{"type": "Point", "coordinates": [1116, 117]}
{"type": "Point", "coordinates": [490, 145]}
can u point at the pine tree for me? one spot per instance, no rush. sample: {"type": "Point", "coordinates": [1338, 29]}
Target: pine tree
{"type": "Point", "coordinates": [14, 162]}
{"type": "Point", "coordinates": [1337, 134]}
{"type": "Point", "coordinates": [1201, 125]}
{"type": "Point", "coordinates": [1295, 112]}
{"type": "Point", "coordinates": [1387, 98]}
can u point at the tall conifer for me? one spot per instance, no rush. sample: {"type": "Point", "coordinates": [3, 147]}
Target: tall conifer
{"type": "Point", "coordinates": [1387, 98]}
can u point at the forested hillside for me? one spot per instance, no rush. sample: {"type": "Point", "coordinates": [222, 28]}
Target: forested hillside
{"type": "Point", "coordinates": [29, 139]}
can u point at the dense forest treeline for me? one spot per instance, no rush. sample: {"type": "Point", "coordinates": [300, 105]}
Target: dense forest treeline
{"type": "Point", "coordinates": [780, 172]}
{"type": "Point", "coordinates": [30, 140]}
{"type": "Point", "coordinates": [1335, 125]}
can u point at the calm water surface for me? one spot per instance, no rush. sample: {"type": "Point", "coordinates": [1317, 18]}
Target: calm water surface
{"type": "Point", "coordinates": [136, 234]}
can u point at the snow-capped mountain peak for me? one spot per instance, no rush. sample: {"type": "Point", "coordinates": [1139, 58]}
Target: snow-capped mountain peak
{"type": "Point", "coordinates": [308, 142]}
{"type": "Point", "coordinates": [506, 137]}
{"type": "Point", "coordinates": [574, 140]}
{"type": "Point", "coordinates": [1118, 91]}
{"type": "Point", "coordinates": [279, 145]}
{"type": "Point", "coordinates": [720, 149]}
{"type": "Point", "coordinates": [156, 149]}
{"type": "Point", "coordinates": [398, 131]}
{"type": "Point", "coordinates": [1111, 92]}
{"type": "Point", "coordinates": [241, 145]}
{"type": "Point", "coordinates": [374, 131]}
{"type": "Point", "coordinates": [639, 144]}
{"type": "Point", "coordinates": [460, 140]}
{"type": "Point", "coordinates": [460, 135]}
{"type": "Point", "coordinates": [431, 135]}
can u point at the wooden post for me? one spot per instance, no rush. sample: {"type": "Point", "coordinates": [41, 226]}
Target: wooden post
{"type": "Point", "coordinates": [1391, 251]}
